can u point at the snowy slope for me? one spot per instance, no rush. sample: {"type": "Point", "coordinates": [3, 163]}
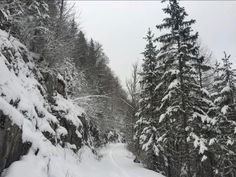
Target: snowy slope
{"type": "Point", "coordinates": [116, 162]}
{"type": "Point", "coordinates": [49, 129]}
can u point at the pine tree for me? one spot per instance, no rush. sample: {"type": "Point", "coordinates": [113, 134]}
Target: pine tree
{"type": "Point", "coordinates": [223, 144]}
{"type": "Point", "coordinates": [73, 30]}
{"type": "Point", "coordinates": [181, 111]}
{"type": "Point", "coordinates": [81, 50]}
{"type": "Point", "coordinates": [145, 126]}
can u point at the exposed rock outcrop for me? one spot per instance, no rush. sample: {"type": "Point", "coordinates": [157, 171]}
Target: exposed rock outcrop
{"type": "Point", "coordinates": [11, 146]}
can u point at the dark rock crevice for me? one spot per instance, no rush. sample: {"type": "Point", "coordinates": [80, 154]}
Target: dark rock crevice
{"type": "Point", "coordinates": [11, 145]}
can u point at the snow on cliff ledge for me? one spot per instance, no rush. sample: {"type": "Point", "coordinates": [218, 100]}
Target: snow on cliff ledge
{"type": "Point", "coordinates": [22, 100]}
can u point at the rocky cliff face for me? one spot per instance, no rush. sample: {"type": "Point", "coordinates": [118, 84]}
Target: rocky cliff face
{"type": "Point", "coordinates": [36, 116]}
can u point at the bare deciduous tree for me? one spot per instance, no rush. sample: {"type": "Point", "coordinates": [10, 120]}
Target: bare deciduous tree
{"type": "Point", "coordinates": [133, 88]}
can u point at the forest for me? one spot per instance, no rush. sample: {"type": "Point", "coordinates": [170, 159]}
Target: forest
{"type": "Point", "coordinates": [65, 113]}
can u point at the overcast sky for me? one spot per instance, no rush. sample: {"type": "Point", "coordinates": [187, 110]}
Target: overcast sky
{"type": "Point", "coordinates": [121, 25]}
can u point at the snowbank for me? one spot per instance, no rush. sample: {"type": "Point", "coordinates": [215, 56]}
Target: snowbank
{"type": "Point", "coordinates": [116, 161]}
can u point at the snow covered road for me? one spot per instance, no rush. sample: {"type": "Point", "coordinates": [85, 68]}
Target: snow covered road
{"type": "Point", "coordinates": [117, 161]}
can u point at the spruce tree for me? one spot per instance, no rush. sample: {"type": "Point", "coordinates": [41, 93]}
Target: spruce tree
{"type": "Point", "coordinates": [181, 111]}
{"type": "Point", "coordinates": [81, 50]}
{"type": "Point", "coordinates": [145, 126]}
{"type": "Point", "coordinates": [224, 143]}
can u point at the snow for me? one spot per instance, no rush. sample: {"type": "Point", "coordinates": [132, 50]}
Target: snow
{"type": "Point", "coordinates": [13, 114]}
{"type": "Point", "coordinates": [224, 109]}
{"type": "Point", "coordinates": [147, 145]}
{"type": "Point", "coordinates": [199, 143]}
{"type": "Point", "coordinates": [116, 161]}
{"type": "Point", "coordinates": [204, 118]}
{"type": "Point", "coordinates": [72, 110]}
{"type": "Point", "coordinates": [61, 131]}
{"type": "Point", "coordinates": [78, 134]}
{"type": "Point", "coordinates": [204, 158]}
{"type": "Point", "coordinates": [159, 86]}
{"type": "Point", "coordinates": [212, 141]}
{"type": "Point", "coordinates": [20, 98]}
{"type": "Point", "coordinates": [208, 102]}
{"type": "Point", "coordinates": [35, 167]}
{"type": "Point", "coordinates": [226, 89]}
{"type": "Point", "coordinates": [22, 101]}
{"type": "Point", "coordinates": [162, 117]}
{"type": "Point", "coordinates": [218, 100]}
{"type": "Point", "coordinates": [170, 72]}
{"type": "Point", "coordinates": [168, 96]}
{"type": "Point", "coordinates": [59, 77]}
{"type": "Point", "coordinates": [169, 112]}
{"type": "Point", "coordinates": [205, 92]}
{"type": "Point", "coordinates": [174, 84]}
{"type": "Point", "coordinates": [230, 142]}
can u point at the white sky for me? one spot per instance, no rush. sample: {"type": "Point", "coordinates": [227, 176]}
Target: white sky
{"type": "Point", "coordinates": [121, 25]}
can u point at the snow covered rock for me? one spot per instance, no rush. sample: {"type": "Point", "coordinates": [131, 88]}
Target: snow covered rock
{"type": "Point", "coordinates": [35, 114]}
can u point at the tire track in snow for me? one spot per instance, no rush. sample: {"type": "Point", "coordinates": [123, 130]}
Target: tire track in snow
{"type": "Point", "coordinates": [123, 172]}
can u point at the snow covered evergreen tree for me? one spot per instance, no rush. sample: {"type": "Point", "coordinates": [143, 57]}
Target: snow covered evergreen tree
{"type": "Point", "coordinates": [80, 52]}
{"type": "Point", "coordinates": [183, 118]}
{"type": "Point", "coordinates": [145, 126]}
{"type": "Point", "coordinates": [224, 143]}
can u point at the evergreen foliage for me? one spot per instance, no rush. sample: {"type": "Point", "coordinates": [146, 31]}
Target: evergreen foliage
{"type": "Point", "coordinates": [145, 127]}
{"type": "Point", "coordinates": [223, 145]}
{"type": "Point", "coordinates": [181, 129]}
